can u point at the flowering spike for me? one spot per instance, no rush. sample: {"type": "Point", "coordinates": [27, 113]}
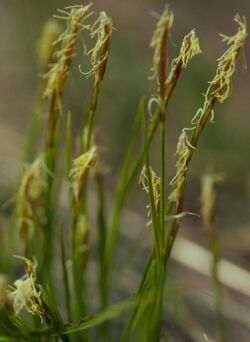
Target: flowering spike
{"type": "Point", "coordinates": [208, 196]}
{"type": "Point", "coordinates": [102, 29]}
{"type": "Point", "coordinates": [78, 176]}
{"type": "Point", "coordinates": [45, 48]}
{"type": "Point", "coordinates": [58, 73]}
{"type": "Point", "coordinates": [143, 180]}
{"type": "Point", "coordinates": [182, 151]}
{"type": "Point", "coordinates": [158, 43]}
{"type": "Point", "coordinates": [30, 191]}
{"type": "Point", "coordinates": [83, 162]}
{"type": "Point", "coordinates": [220, 86]}
{"type": "Point", "coordinates": [25, 294]}
{"type": "Point", "coordinates": [219, 89]}
{"type": "Point", "coordinates": [190, 47]}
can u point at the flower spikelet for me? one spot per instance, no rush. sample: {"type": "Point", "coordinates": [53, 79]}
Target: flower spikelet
{"type": "Point", "coordinates": [190, 47]}
{"type": "Point", "coordinates": [25, 294]}
{"type": "Point", "coordinates": [220, 86]}
{"type": "Point", "coordinates": [30, 191]}
{"type": "Point", "coordinates": [101, 30]}
{"type": "Point", "coordinates": [182, 151]}
{"type": "Point", "coordinates": [208, 196]}
{"type": "Point", "coordinates": [79, 170]}
{"type": "Point", "coordinates": [163, 26]}
{"type": "Point", "coordinates": [143, 180]}
{"type": "Point", "coordinates": [58, 73]}
{"type": "Point", "coordinates": [45, 46]}
{"type": "Point", "coordinates": [82, 163]}
{"type": "Point", "coordinates": [33, 181]}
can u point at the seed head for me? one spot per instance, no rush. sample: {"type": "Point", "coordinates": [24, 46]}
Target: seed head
{"type": "Point", "coordinates": [182, 151]}
{"type": "Point", "coordinates": [143, 180]}
{"type": "Point", "coordinates": [158, 44]}
{"type": "Point", "coordinates": [220, 86]}
{"type": "Point", "coordinates": [30, 191]}
{"type": "Point", "coordinates": [79, 168]}
{"type": "Point", "coordinates": [85, 161]}
{"type": "Point", "coordinates": [208, 196]}
{"type": "Point", "coordinates": [190, 47]}
{"type": "Point", "coordinates": [33, 181]}
{"type": "Point", "coordinates": [58, 73]}
{"type": "Point", "coordinates": [25, 294]}
{"type": "Point", "coordinates": [45, 47]}
{"type": "Point", "coordinates": [101, 30]}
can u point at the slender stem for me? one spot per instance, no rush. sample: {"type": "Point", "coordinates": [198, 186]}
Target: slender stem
{"type": "Point", "coordinates": [157, 236]}
{"type": "Point", "coordinates": [33, 130]}
{"type": "Point", "coordinates": [153, 282]}
{"type": "Point", "coordinates": [162, 181]}
{"type": "Point", "coordinates": [65, 274]}
{"type": "Point", "coordinates": [102, 236]}
{"type": "Point", "coordinates": [102, 230]}
{"type": "Point", "coordinates": [92, 111]}
{"type": "Point", "coordinates": [50, 210]}
{"type": "Point", "coordinates": [126, 180]}
{"type": "Point", "coordinates": [216, 283]}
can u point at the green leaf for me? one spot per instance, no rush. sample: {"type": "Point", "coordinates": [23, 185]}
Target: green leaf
{"type": "Point", "coordinates": [87, 322]}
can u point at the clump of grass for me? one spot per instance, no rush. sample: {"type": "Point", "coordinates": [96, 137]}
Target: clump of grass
{"type": "Point", "coordinates": [37, 197]}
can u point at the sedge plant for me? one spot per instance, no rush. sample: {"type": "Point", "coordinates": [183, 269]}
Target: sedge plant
{"type": "Point", "coordinates": [31, 308]}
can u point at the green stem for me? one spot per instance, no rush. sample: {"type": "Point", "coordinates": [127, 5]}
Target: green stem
{"type": "Point", "coordinates": [162, 182]}
{"type": "Point", "coordinates": [127, 180]}
{"type": "Point", "coordinates": [65, 274]}
{"type": "Point", "coordinates": [92, 111]}
{"type": "Point", "coordinates": [217, 285]}
{"type": "Point", "coordinates": [102, 230]}
{"type": "Point", "coordinates": [31, 141]}
{"type": "Point", "coordinates": [50, 200]}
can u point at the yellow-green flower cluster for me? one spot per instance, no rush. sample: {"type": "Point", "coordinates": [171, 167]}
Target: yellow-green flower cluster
{"type": "Point", "coordinates": [161, 33]}
{"type": "Point", "coordinates": [208, 196]}
{"type": "Point", "coordinates": [101, 30]}
{"type": "Point", "coordinates": [24, 294]}
{"type": "Point", "coordinates": [45, 46]}
{"type": "Point", "coordinates": [58, 73]}
{"type": "Point", "coordinates": [190, 47]}
{"type": "Point", "coordinates": [82, 163]}
{"type": "Point", "coordinates": [182, 151]}
{"type": "Point", "coordinates": [143, 180]}
{"type": "Point", "coordinates": [31, 188]}
{"type": "Point", "coordinates": [220, 86]}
